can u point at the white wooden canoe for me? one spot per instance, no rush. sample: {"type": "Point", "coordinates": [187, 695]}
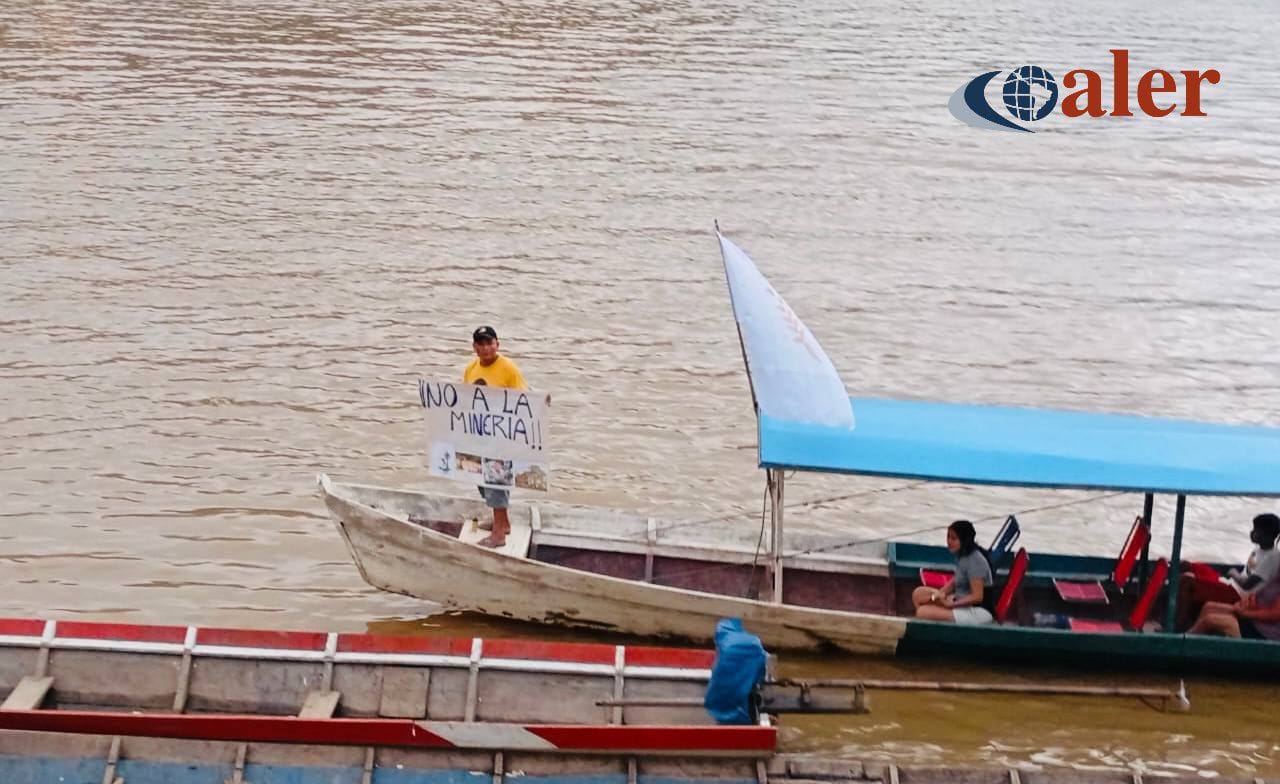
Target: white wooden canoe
{"type": "Point", "coordinates": [597, 568]}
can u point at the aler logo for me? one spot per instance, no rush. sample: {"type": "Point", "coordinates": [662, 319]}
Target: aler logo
{"type": "Point", "coordinates": [1030, 93]}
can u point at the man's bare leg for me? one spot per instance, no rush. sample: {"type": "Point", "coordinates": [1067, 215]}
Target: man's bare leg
{"type": "Point", "coordinates": [501, 527]}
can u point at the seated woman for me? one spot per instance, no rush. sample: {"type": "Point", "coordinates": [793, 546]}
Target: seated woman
{"type": "Point", "coordinates": [960, 600]}
{"type": "Point", "coordinates": [1200, 583]}
{"type": "Point", "coordinates": [1255, 617]}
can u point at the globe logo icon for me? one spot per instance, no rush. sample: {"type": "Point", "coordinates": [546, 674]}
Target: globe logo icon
{"type": "Point", "coordinates": [1030, 93]}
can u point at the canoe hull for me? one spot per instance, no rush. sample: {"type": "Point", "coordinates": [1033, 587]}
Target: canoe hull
{"type": "Point", "coordinates": [172, 675]}
{"type": "Point", "coordinates": [206, 705]}
{"type": "Point", "coordinates": [402, 557]}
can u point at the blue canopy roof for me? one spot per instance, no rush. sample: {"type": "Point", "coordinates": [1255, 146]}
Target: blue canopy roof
{"type": "Point", "coordinates": [1031, 447]}
{"type": "Point", "coordinates": [808, 422]}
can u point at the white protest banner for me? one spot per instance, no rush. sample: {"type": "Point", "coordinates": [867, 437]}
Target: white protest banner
{"type": "Point", "coordinates": [486, 435]}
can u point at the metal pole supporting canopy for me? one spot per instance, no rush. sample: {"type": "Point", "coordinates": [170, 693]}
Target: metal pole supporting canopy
{"type": "Point", "coordinates": [775, 479]}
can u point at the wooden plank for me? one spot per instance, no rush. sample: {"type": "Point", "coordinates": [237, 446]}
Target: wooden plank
{"type": "Point", "coordinates": [319, 704]}
{"type": "Point", "coordinates": [727, 553]}
{"type": "Point", "coordinates": [737, 741]}
{"type": "Point", "coordinates": [46, 640]}
{"type": "Point", "coordinates": [517, 544]}
{"type": "Point", "coordinates": [237, 770]}
{"type": "Point", "coordinates": [473, 678]}
{"type": "Point", "coordinates": [824, 769]}
{"type": "Point", "coordinates": [794, 699]}
{"type": "Point", "coordinates": [183, 688]}
{"type": "Point", "coordinates": [619, 682]}
{"type": "Point", "coordinates": [535, 522]}
{"type": "Point", "coordinates": [650, 538]}
{"type": "Point", "coordinates": [28, 694]}
{"type": "Point", "coordinates": [404, 692]}
{"type": "Point", "coordinates": [113, 757]}
{"type": "Point", "coordinates": [498, 769]}
{"type": "Point", "coordinates": [330, 649]}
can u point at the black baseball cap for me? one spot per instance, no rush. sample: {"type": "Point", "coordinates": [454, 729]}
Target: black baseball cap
{"type": "Point", "coordinates": [484, 333]}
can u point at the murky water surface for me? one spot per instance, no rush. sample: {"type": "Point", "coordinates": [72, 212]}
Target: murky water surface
{"type": "Point", "coordinates": [235, 234]}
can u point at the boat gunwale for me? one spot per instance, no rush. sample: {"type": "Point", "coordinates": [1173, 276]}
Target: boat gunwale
{"type": "Point", "coordinates": [617, 655]}
{"type": "Point", "coordinates": [753, 740]}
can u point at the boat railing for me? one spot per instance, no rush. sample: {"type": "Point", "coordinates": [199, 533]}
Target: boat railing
{"type": "Point", "coordinates": [341, 648]}
{"type": "Point", "coordinates": [692, 549]}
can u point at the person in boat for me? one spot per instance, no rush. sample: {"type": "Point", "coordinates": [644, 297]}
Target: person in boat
{"type": "Point", "coordinates": [1256, 616]}
{"type": "Point", "coordinates": [961, 599]}
{"type": "Point", "coordinates": [1201, 583]}
{"type": "Point", "coordinates": [490, 368]}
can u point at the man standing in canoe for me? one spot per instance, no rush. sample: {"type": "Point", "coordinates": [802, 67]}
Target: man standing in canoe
{"type": "Point", "coordinates": [490, 368]}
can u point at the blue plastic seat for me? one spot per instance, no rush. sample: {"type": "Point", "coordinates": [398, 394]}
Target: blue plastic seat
{"type": "Point", "coordinates": [1003, 544]}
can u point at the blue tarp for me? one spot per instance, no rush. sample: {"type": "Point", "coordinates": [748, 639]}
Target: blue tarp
{"type": "Point", "coordinates": [739, 667]}
{"type": "Point", "coordinates": [1031, 447]}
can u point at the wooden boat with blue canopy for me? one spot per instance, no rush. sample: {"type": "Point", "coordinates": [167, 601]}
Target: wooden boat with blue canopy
{"type": "Point", "coordinates": [611, 570]}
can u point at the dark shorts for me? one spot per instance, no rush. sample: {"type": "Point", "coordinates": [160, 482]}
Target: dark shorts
{"type": "Point", "coordinates": [494, 498]}
{"type": "Point", "coordinates": [1248, 630]}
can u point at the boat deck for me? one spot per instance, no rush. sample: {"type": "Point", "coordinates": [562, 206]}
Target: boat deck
{"type": "Point", "coordinates": [516, 545]}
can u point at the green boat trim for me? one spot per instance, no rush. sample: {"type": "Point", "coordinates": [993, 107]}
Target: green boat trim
{"type": "Point", "coordinates": [1148, 651]}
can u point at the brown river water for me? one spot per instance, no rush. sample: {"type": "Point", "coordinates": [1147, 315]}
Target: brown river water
{"type": "Point", "coordinates": [233, 235]}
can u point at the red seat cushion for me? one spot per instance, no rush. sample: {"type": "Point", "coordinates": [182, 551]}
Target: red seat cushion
{"type": "Point", "coordinates": [1105, 627]}
{"type": "Point", "coordinates": [1203, 571]}
{"type": "Point", "coordinates": [933, 578]}
{"type": "Point", "coordinates": [1016, 573]}
{"type": "Point", "coordinates": [1142, 608]}
{"type": "Point", "coordinates": [1081, 593]}
{"type": "Point", "coordinates": [1139, 535]}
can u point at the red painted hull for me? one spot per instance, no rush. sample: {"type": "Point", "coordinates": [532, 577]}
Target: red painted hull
{"type": "Point", "coordinates": [399, 732]}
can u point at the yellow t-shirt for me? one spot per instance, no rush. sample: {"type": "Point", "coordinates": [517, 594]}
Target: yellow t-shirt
{"type": "Point", "coordinates": [502, 373]}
